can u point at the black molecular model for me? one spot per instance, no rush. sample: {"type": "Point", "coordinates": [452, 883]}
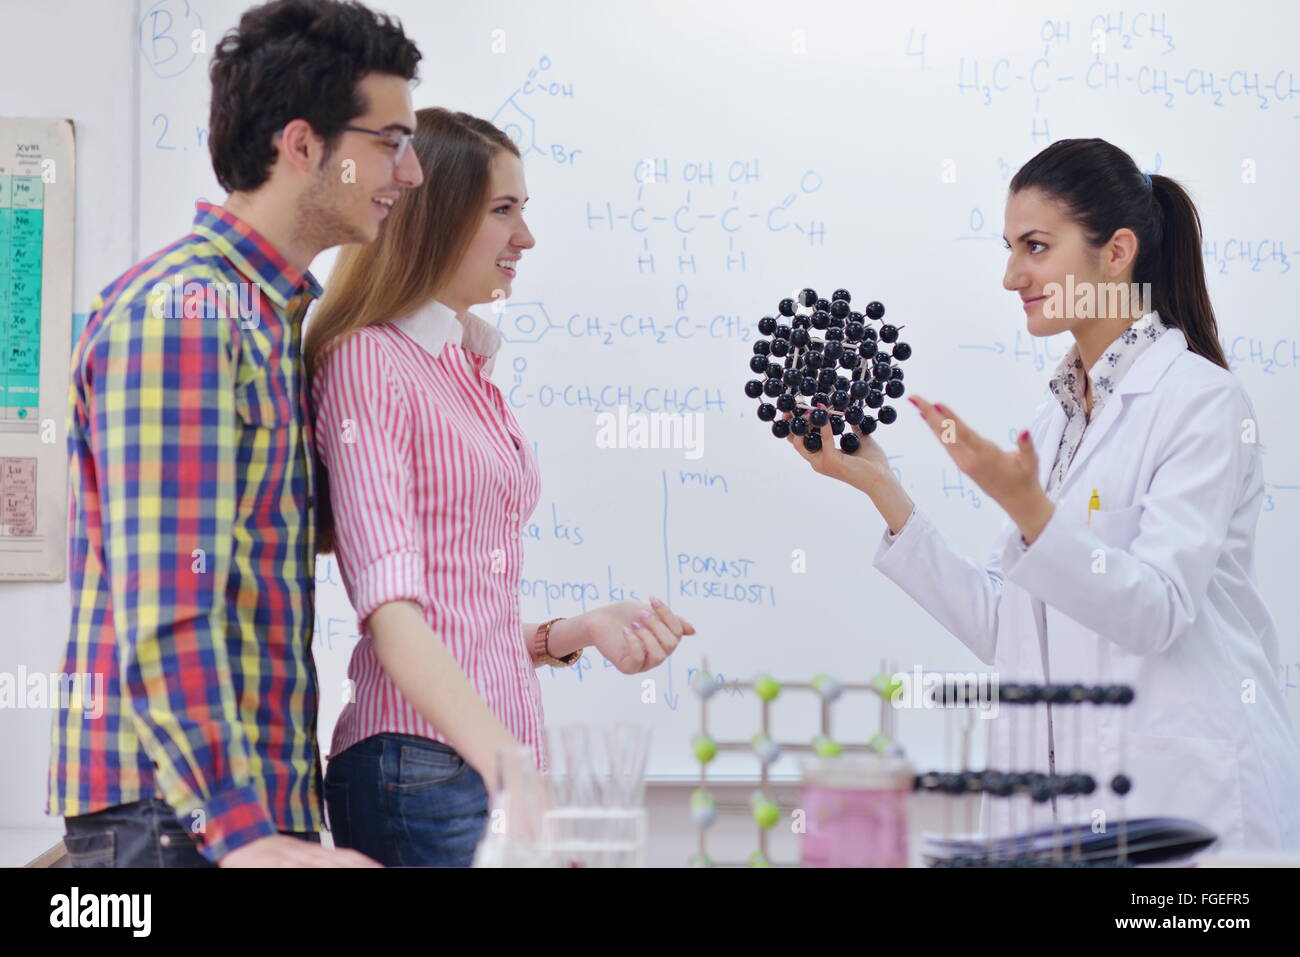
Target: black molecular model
{"type": "Point", "coordinates": [826, 356]}
{"type": "Point", "coordinates": [1044, 849]}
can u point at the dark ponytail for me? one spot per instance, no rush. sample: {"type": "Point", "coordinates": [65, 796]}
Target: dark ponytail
{"type": "Point", "coordinates": [1103, 191]}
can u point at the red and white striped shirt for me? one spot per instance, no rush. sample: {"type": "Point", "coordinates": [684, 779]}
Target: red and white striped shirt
{"type": "Point", "coordinates": [431, 480]}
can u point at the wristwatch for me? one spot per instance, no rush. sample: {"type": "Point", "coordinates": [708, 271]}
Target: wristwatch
{"type": "Point", "coordinates": [542, 654]}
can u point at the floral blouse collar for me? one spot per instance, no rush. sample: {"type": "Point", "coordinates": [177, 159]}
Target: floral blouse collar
{"type": "Point", "coordinates": [1067, 382]}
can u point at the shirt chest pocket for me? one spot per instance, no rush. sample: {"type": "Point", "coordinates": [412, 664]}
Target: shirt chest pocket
{"type": "Point", "coordinates": [263, 397]}
{"type": "Point", "coordinates": [1117, 527]}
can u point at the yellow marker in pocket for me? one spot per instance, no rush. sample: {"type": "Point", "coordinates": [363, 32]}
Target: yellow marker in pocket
{"type": "Point", "coordinates": [1094, 505]}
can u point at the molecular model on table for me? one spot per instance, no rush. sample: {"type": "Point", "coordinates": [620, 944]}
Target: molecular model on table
{"type": "Point", "coordinates": [1057, 845]}
{"type": "Point", "coordinates": [766, 749]}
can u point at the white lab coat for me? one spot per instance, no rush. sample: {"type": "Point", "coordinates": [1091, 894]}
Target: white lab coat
{"type": "Point", "coordinates": [1157, 593]}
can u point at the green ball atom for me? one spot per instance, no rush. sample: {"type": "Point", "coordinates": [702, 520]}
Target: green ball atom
{"type": "Point", "coordinates": [759, 859]}
{"type": "Point", "coordinates": [767, 687]}
{"type": "Point", "coordinates": [891, 689]}
{"type": "Point", "coordinates": [826, 748]}
{"type": "Point", "coordinates": [766, 814]}
{"type": "Point", "coordinates": [706, 749]}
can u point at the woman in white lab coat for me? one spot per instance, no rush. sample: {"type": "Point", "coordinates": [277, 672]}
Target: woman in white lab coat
{"type": "Point", "coordinates": [1151, 582]}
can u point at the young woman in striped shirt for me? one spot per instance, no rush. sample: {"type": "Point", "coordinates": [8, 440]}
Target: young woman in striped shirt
{"type": "Point", "coordinates": [427, 483]}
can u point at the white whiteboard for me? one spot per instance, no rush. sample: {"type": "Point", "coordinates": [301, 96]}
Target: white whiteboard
{"type": "Point", "coordinates": [799, 144]}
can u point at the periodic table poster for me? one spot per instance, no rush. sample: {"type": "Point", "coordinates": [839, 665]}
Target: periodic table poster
{"type": "Point", "coordinates": [36, 232]}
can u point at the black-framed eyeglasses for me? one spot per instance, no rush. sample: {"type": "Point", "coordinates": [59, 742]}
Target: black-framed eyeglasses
{"type": "Point", "coordinates": [401, 140]}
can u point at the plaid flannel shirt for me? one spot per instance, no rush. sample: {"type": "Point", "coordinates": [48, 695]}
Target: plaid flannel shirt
{"type": "Point", "coordinates": [192, 544]}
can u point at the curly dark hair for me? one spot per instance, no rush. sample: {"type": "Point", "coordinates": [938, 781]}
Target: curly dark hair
{"type": "Point", "coordinates": [295, 59]}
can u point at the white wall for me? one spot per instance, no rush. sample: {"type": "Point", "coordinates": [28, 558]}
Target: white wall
{"type": "Point", "coordinates": [63, 58]}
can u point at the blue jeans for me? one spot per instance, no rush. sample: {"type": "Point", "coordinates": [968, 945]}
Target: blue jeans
{"type": "Point", "coordinates": [140, 834]}
{"type": "Point", "coordinates": [406, 801]}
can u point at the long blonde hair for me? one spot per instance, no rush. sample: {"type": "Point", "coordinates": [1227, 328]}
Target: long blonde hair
{"type": "Point", "coordinates": [420, 246]}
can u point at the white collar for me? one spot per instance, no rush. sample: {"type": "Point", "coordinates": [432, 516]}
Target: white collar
{"type": "Point", "coordinates": [434, 325]}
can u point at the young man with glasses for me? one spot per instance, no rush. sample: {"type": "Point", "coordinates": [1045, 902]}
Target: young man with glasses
{"type": "Point", "coordinates": [192, 550]}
